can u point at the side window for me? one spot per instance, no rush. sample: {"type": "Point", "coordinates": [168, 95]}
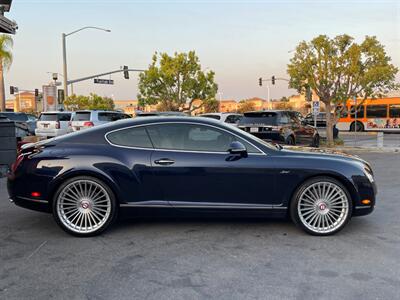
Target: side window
{"type": "Point", "coordinates": [109, 117]}
{"type": "Point", "coordinates": [394, 111]}
{"type": "Point", "coordinates": [104, 117]}
{"type": "Point", "coordinates": [376, 111]}
{"type": "Point", "coordinates": [64, 117]}
{"type": "Point", "coordinates": [130, 137]}
{"type": "Point", "coordinates": [360, 111]}
{"type": "Point", "coordinates": [191, 137]}
{"type": "Point", "coordinates": [231, 119]}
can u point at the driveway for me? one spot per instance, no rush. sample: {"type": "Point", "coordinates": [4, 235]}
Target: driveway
{"type": "Point", "coordinates": [201, 259]}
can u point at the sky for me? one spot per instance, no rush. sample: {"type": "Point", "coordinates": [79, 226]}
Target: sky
{"type": "Point", "coordinates": [239, 40]}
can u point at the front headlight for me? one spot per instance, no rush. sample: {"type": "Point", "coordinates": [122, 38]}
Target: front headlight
{"type": "Point", "coordinates": [369, 175]}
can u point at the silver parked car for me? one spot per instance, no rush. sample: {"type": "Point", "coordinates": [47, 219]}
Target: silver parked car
{"type": "Point", "coordinates": [83, 119]}
{"type": "Point", "coordinates": [53, 123]}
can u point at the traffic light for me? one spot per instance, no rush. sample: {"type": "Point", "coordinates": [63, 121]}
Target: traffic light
{"type": "Point", "coordinates": [260, 81]}
{"type": "Point", "coordinates": [36, 92]}
{"type": "Point", "coordinates": [126, 72]}
{"type": "Point", "coordinates": [273, 79]}
{"type": "Point", "coordinates": [12, 91]}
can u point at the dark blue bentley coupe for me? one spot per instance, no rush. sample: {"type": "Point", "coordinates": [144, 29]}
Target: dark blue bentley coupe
{"type": "Point", "coordinates": [186, 165]}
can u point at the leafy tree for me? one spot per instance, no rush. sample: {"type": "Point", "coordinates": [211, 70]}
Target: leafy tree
{"type": "Point", "coordinates": [175, 82]}
{"type": "Point", "coordinates": [211, 105]}
{"type": "Point", "coordinates": [284, 99]}
{"type": "Point", "coordinates": [6, 43]}
{"type": "Point", "coordinates": [245, 106]}
{"type": "Point", "coordinates": [284, 105]}
{"type": "Point", "coordinates": [92, 101]}
{"type": "Point", "coordinates": [339, 69]}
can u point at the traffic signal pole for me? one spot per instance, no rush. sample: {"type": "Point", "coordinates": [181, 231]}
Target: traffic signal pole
{"type": "Point", "coordinates": [102, 74]}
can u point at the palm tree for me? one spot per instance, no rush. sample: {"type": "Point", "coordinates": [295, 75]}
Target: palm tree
{"type": "Point", "coordinates": [6, 43]}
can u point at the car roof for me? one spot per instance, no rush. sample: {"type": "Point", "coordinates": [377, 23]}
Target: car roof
{"type": "Point", "coordinates": [162, 113]}
{"type": "Point", "coordinates": [219, 114]}
{"type": "Point", "coordinates": [99, 110]}
{"type": "Point", "coordinates": [56, 112]}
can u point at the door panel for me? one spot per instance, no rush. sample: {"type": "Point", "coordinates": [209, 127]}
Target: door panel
{"type": "Point", "coordinates": [215, 178]}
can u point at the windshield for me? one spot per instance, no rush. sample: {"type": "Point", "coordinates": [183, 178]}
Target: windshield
{"type": "Point", "coordinates": [264, 117]}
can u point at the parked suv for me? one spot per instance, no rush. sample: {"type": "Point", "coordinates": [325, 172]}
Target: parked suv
{"type": "Point", "coordinates": [83, 119]}
{"type": "Point", "coordinates": [279, 126]}
{"type": "Point", "coordinates": [53, 123]}
{"type": "Point", "coordinates": [230, 118]}
{"type": "Point", "coordinates": [26, 121]}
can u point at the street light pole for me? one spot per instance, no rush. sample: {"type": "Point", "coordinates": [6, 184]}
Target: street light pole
{"type": "Point", "coordinates": [64, 35]}
{"type": "Point", "coordinates": [65, 66]}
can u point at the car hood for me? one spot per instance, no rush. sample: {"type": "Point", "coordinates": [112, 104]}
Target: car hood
{"type": "Point", "coordinates": [324, 153]}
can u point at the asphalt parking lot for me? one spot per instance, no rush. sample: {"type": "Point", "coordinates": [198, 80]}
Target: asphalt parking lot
{"type": "Point", "coordinates": [180, 259]}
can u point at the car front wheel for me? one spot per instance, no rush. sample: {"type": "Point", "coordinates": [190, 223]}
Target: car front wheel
{"type": "Point", "coordinates": [84, 206]}
{"type": "Point", "coordinates": [321, 206]}
{"type": "Point", "coordinates": [315, 142]}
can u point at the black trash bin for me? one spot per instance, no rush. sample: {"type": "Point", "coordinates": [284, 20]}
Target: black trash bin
{"type": "Point", "coordinates": [8, 145]}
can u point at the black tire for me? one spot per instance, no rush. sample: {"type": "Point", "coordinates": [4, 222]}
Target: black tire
{"type": "Point", "coordinates": [357, 126]}
{"type": "Point", "coordinates": [290, 140]}
{"type": "Point", "coordinates": [295, 207]}
{"type": "Point", "coordinates": [315, 142]}
{"type": "Point", "coordinates": [106, 221]}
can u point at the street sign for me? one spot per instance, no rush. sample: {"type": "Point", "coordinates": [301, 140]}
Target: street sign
{"type": "Point", "coordinates": [103, 81]}
{"type": "Point", "coordinates": [315, 108]}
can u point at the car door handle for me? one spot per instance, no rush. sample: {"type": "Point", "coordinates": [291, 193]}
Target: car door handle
{"type": "Point", "coordinates": [164, 161]}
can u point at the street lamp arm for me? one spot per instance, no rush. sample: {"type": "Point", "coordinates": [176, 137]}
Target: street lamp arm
{"type": "Point", "coordinates": [87, 27]}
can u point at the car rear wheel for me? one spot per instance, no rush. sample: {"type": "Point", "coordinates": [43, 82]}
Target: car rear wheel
{"type": "Point", "coordinates": [357, 126]}
{"type": "Point", "coordinates": [321, 206]}
{"type": "Point", "coordinates": [84, 206]}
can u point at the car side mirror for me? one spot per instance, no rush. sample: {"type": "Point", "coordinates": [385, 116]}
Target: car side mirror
{"type": "Point", "coordinates": [237, 148]}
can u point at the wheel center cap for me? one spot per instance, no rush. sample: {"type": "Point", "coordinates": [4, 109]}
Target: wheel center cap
{"type": "Point", "coordinates": [322, 208]}
{"type": "Point", "coordinates": [85, 204]}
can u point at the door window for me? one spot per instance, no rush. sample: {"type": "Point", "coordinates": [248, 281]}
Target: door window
{"type": "Point", "coordinates": [192, 137]}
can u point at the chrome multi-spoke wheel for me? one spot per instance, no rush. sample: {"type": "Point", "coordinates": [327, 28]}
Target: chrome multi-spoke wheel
{"type": "Point", "coordinates": [322, 206]}
{"type": "Point", "coordinates": [83, 206]}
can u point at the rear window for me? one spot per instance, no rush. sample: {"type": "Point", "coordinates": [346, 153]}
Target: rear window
{"type": "Point", "coordinates": [16, 117]}
{"type": "Point", "coordinates": [131, 137]}
{"type": "Point", "coordinates": [55, 117]}
{"type": "Point", "coordinates": [265, 117]}
{"type": "Point", "coordinates": [216, 117]}
{"type": "Point", "coordinates": [81, 116]}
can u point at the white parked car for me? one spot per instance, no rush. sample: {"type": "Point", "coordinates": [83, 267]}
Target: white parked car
{"type": "Point", "coordinates": [83, 119]}
{"type": "Point", "coordinates": [53, 123]}
{"type": "Point", "coordinates": [230, 118]}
